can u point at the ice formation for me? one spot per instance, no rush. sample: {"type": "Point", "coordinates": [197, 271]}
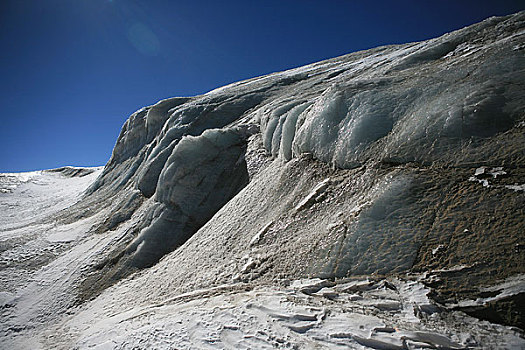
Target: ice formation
{"type": "Point", "coordinates": [336, 205]}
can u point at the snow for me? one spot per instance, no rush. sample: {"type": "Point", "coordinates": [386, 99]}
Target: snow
{"type": "Point", "coordinates": [32, 195]}
{"type": "Point", "coordinates": [286, 317]}
{"type": "Point", "coordinates": [279, 212]}
{"type": "Point", "coordinates": [494, 172]}
{"type": "Point", "coordinates": [10, 181]}
{"type": "Point", "coordinates": [484, 175]}
{"type": "Point", "coordinates": [371, 312]}
{"type": "Point", "coordinates": [516, 187]}
{"type": "Point", "coordinates": [260, 234]}
{"type": "Point", "coordinates": [437, 249]}
{"type": "Point", "coordinates": [312, 196]}
{"type": "Point", "coordinates": [34, 279]}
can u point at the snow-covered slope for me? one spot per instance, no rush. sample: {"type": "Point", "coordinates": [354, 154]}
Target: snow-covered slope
{"type": "Point", "coordinates": [380, 176]}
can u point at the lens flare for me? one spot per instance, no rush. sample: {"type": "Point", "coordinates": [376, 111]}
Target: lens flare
{"type": "Point", "coordinates": [143, 39]}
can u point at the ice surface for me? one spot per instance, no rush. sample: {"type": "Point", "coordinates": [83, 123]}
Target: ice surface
{"type": "Point", "coordinates": [318, 128]}
{"type": "Point", "coordinates": [226, 317]}
{"type": "Point", "coordinates": [34, 235]}
{"type": "Point", "coordinates": [275, 212]}
{"type": "Point", "coordinates": [288, 130]}
{"type": "Point", "coordinates": [10, 181]}
{"type": "Point", "coordinates": [516, 187]}
{"type": "Point", "coordinates": [200, 175]}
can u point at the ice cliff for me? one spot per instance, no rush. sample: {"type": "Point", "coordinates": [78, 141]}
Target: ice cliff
{"type": "Point", "coordinates": [454, 102]}
{"type": "Point", "coordinates": [361, 165]}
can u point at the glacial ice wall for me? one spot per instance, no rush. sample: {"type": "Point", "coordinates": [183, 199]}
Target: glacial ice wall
{"type": "Point", "coordinates": [402, 117]}
{"type": "Point", "coordinates": [452, 101]}
{"type": "Point", "coordinates": [201, 174]}
{"type": "Point", "coordinates": [403, 158]}
{"type": "Point", "coordinates": [413, 102]}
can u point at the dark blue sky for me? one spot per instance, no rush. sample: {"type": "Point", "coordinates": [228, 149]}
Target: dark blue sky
{"type": "Point", "coordinates": [73, 70]}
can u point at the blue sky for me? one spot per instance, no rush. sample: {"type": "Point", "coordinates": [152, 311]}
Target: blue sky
{"type": "Point", "coordinates": [72, 71]}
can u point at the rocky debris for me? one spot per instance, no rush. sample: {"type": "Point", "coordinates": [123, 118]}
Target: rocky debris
{"type": "Point", "coordinates": [70, 171]}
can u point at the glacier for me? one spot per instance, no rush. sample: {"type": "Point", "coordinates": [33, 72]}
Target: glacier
{"type": "Point", "coordinates": [335, 205]}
